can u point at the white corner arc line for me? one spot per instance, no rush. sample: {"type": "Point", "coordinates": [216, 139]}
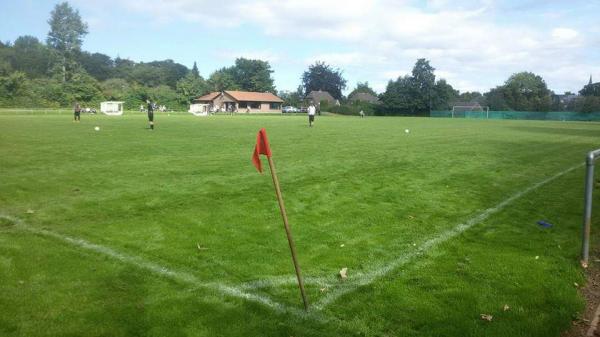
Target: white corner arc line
{"type": "Point", "coordinates": [371, 276]}
{"type": "Point", "coordinates": [156, 268]}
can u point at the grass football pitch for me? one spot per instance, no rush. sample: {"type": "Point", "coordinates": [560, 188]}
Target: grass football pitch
{"type": "Point", "coordinates": [172, 232]}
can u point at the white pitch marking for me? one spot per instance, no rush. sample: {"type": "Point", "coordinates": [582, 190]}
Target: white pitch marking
{"type": "Point", "coordinates": [278, 281]}
{"type": "Point", "coordinates": [155, 268]}
{"type": "Point", "coordinates": [355, 281]}
{"type": "Point", "coordinates": [369, 277]}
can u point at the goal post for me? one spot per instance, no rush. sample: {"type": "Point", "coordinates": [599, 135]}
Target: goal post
{"type": "Point", "coordinates": [466, 111]}
{"type": "Point", "coordinates": [591, 157]}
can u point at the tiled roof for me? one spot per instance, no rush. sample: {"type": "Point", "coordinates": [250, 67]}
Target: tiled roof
{"type": "Point", "coordinates": [248, 96]}
{"type": "Point", "coordinates": [208, 97]}
{"type": "Point", "coordinates": [319, 96]}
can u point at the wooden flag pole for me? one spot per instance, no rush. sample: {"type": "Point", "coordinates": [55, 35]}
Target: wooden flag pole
{"type": "Point", "coordinates": [288, 232]}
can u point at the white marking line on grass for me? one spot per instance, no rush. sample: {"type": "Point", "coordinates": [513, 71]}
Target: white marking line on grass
{"type": "Point", "coordinates": [278, 281]}
{"type": "Point", "coordinates": [369, 277]}
{"type": "Point", "coordinates": [156, 268]}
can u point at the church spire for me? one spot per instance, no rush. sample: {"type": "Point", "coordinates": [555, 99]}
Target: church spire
{"type": "Point", "coordinates": [590, 79]}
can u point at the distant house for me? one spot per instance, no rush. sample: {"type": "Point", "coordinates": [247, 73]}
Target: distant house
{"type": "Point", "coordinates": [563, 101]}
{"type": "Point", "coordinates": [364, 97]}
{"type": "Point", "coordinates": [316, 97]}
{"type": "Point", "coordinates": [240, 101]}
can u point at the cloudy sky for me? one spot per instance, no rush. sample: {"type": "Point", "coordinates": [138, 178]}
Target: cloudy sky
{"type": "Point", "coordinates": [474, 44]}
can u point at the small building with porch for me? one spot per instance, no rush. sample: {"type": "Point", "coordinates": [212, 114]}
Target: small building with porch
{"type": "Point", "coordinates": [240, 101]}
{"type": "Point", "coordinates": [112, 108]}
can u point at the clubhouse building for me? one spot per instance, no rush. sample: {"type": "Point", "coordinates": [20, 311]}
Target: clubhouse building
{"type": "Point", "coordinates": [238, 101]}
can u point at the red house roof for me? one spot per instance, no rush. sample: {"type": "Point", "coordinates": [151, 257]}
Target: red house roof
{"type": "Point", "coordinates": [242, 96]}
{"type": "Point", "coordinates": [249, 96]}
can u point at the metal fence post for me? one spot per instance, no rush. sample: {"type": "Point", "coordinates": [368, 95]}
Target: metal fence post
{"type": "Point", "coordinates": [587, 214]}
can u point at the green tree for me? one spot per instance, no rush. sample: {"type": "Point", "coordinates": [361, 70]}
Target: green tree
{"type": "Point", "coordinates": [292, 98]}
{"type": "Point", "coordinates": [190, 87]}
{"type": "Point", "coordinates": [398, 97]}
{"type": "Point", "coordinates": [526, 91]}
{"type": "Point", "coordinates": [195, 71]}
{"type": "Point", "coordinates": [12, 86]}
{"type": "Point", "coordinates": [123, 68]}
{"type": "Point", "coordinates": [471, 96]}
{"type": "Point", "coordinates": [98, 65]}
{"type": "Point", "coordinates": [30, 56]}
{"type": "Point", "coordinates": [157, 73]}
{"type": "Point", "coordinates": [253, 75]}
{"type": "Point", "coordinates": [364, 88]}
{"type": "Point", "coordinates": [416, 94]}
{"type": "Point", "coordinates": [6, 59]}
{"type": "Point", "coordinates": [65, 37]}
{"type": "Point", "coordinates": [321, 76]}
{"type": "Point", "coordinates": [222, 79]}
{"type": "Point", "coordinates": [495, 99]}
{"type": "Point", "coordinates": [115, 89]}
{"type": "Point", "coordinates": [443, 95]}
{"type": "Point", "coordinates": [424, 81]}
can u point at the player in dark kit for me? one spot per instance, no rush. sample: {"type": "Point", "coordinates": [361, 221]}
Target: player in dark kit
{"type": "Point", "coordinates": [150, 109]}
{"type": "Point", "coordinates": [77, 113]}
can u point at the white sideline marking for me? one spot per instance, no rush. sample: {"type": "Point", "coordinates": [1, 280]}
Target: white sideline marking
{"type": "Point", "coordinates": [156, 268]}
{"type": "Point", "coordinates": [278, 281]}
{"type": "Point", "coordinates": [355, 281]}
{"type": "Point", "coordinates": [369, 277]}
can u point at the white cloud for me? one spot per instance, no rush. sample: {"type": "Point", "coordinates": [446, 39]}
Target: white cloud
{"type": "Point", "coordinates": [472, 39]}
{"type": "Point", "coordinates": [565, 35]}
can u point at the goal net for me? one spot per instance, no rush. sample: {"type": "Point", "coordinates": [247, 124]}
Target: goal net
{"type": "Point", "coordinates": [470, 111]}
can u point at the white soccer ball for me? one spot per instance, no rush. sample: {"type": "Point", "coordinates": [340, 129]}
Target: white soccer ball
{"type": "Point", "coordinates": [97, 128]}
{"type": "Point", "coordinates": [406, 130]}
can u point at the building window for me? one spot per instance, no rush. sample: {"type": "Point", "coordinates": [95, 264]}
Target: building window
{"type": "Point", "coordinates": [275, 106]}
{"type": "Point", "coordinates": [243, 105]}
{"type": "Point", "coordinates": [254, 105]}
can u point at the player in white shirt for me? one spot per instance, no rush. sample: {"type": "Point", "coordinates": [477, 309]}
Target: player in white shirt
{"type": "Point", "coordinates": [311, 114]}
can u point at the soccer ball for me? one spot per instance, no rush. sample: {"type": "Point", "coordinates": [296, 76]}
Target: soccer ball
{"type": "Point", "coordinates": [97, 128]}
{"type": "Point", "coordinates": [406, 130]}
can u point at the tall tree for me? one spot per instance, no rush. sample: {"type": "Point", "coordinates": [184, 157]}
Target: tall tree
{"type": "Point", "coordinates": [222, 79]}
{"type": "Point", "coordinates": [321, 76]}
{"type": "Point", "coordinates": [195, 71]}
{"type": "Point", "coordinates": [190, 87]}
{"type": "Point", "coordinates": [364, 88]}
{"type": "Point", "coordinates": [471, 96]}
{"type": "Point", "coordinates": [526, 91]}
{"type": "Point", "coordinates": [424, 81]}
{"type": "Point", "coordinates": [443, 95]}
{"type": "Point", "coordinates": [398, 97]}
{"type": "Point", "coordinates": [98, 65]}
{"type": "Point", "coordinates": [65, 37]}
{"type": "Point", "coordinates": [30, 56]}
{"type": "Point", "coordinates": [417, 93]}
{"type": "Point", "coordinates": [253, 75]}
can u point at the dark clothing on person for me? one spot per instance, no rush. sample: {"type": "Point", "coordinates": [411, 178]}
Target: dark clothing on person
{"type": "Point", "coordinates": [151, 115]}
{"type": "Point", "coordinates": [77, 112]}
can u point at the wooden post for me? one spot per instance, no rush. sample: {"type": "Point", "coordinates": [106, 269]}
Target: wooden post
{"type": "Point", "coordinates": [288, 231]}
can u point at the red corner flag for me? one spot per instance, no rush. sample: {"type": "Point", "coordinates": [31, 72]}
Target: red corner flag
{"type": "Point", "coordinates": [261, 147]}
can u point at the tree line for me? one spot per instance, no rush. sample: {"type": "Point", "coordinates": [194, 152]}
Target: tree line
{"type": "Point", "coordinates": [56, 73]}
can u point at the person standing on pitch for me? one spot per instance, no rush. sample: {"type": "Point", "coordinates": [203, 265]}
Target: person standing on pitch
{"type": "Point", "coordinates": [311, 114]}
{"type": "Point", "coordinates": [76, 112]}
{"type": "Point", "coordinates": [150, 109]}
